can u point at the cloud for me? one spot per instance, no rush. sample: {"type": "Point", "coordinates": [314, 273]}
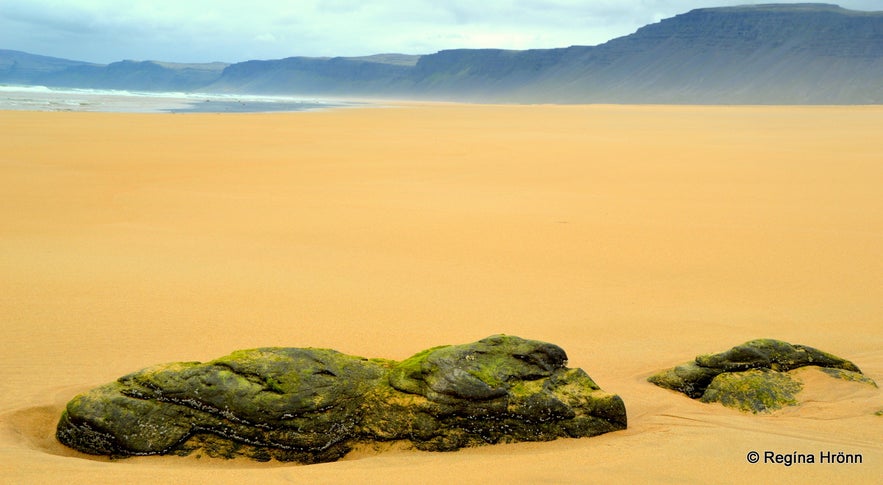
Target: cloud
{"type": "Point", "coordinates": [236, 30]}
{"type": "Point", "coordinates": [265, 38]}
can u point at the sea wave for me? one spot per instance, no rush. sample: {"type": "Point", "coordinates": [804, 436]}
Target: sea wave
{"type": "Point", "coordinates": [24, 89]}
{"type": "Point", "coordinates": [45, 98]}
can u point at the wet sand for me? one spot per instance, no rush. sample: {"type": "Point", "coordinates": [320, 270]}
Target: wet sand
{"type": "Point", "coordinates": [634, 237]}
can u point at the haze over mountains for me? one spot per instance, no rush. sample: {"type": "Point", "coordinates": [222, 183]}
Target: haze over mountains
{"type": "Point", "coordinates": [764, 54]}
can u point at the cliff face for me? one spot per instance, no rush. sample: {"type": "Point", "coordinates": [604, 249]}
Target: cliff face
{"type": "Point", "coordinates": [785, 53]}
{"type": "Point", "coordinates": [305, 75]}
{"type": "Point", "coordinates": [141, 76]}
{"type": "Point", "coordinates": [803, 53]}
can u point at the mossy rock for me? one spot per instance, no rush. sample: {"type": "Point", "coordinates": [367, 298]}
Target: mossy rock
{"type": "Point", "coordinates": [479, 371]}
{"type": "Point", "coordinates": [755, 390]}
{"type": "Point", "coordinates": [772, 354]}
{"type": "Point", "coordinates": [314, 405]}
{"type": "Point", "coordinates": [753, 376]}
{"type": "Point", "coordinates": [690, 379]}
{"type": "Point", "coordinates": [848, 375]}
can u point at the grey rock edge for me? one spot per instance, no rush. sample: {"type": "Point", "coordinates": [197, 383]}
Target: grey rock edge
{"type": "Point", "coordinates": [313, 405]}
{"type": "Point", "coordinates": [754, 376]}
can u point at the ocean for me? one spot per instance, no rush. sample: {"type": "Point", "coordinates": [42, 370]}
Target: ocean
{"type": "Point", "coordinates": [42, 98]}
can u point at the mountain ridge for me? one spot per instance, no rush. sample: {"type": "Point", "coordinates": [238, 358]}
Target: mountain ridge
{"type": "Point", "coordinates": [751, 54]}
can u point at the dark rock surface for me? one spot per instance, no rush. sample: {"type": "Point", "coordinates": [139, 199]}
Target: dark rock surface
{"type": "Point", "coordinates": [313, 405]}
{"type": "Point", "coordinates": [754, 376]}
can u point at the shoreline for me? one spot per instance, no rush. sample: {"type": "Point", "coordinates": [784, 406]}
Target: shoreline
{"type": "Point", "coordinates": [60, 99]}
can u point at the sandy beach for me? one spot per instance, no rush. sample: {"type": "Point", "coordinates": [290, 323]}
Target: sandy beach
{"type": "Point", "coordinates": [634, 237]}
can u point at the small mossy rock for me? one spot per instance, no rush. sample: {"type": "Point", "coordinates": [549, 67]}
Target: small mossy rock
{"type": "Point", "coordinates": [752, 376]}
{"type": "Point", "coordinates": [755, 390]}
{"type": "Point", "coordinates": [772, 354]}
{"type": "Point", "coordinates": [313, 405]}
{"type": "Point", "coordinates": [690, 379]}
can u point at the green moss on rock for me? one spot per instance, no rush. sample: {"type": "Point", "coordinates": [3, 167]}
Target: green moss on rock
{"type": "Point", "coordinates": [753, 376]}
{"type": "Point", "coordinates": [755, 390]}
{"type": "Point", "coordinates": [771, 354]}
{"type": "Point", "coordinates": [690, 378]}
{"type": "Point", "coordinates": [313, 405]}
{"type": "Point", "coordinates": [848, 375]}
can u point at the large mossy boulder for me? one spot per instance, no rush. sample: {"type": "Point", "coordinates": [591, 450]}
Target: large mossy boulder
{"type": "Point", "coordinates": [755, 376]}
{"type": "Point", "coordinates": [314, 405]}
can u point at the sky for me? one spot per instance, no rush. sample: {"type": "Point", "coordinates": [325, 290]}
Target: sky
{"type": "Point", "coordinates": [105, 31]}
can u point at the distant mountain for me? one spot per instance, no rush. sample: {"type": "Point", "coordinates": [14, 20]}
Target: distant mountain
{"type": "Point", "coordinates": [23, 68]}
{"type": "Point", "coordinates": [778, 53]}
{"type": "Point", "coordinates": [794, 53]}
{"type": "Point", "coordinates": [310, 75]}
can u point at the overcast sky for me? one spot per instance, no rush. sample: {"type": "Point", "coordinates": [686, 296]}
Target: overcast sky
{"type": "Point", "coordinates": [236, 30]}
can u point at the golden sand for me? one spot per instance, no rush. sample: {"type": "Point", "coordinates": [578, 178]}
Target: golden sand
{"type": "Point", "coordinates": [634, 237]}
